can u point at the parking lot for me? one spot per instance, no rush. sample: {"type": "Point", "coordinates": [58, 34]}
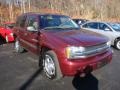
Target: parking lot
{"type": "Point", "coordinates": [21, 72]}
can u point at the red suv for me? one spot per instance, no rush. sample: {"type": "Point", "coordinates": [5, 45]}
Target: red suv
{"type": "Point", "coordinates": [63, 48]}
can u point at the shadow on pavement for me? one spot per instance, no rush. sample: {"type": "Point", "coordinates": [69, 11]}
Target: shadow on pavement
{"type": "Point", "coordinates": [30, 80]}
{"type": "Point", "coordinates": [87, 83]}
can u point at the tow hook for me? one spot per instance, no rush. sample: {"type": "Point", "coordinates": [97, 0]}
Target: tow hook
{"type": "Point", "coordinates": [82, 75]}
{"type": "Point", "coordinates": [86, 71]}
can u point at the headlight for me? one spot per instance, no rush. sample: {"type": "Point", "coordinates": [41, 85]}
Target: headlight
{"type": "Point", "coordinates": [11, 34]}
{"type": "Point", "coordinates": [74, 52]}
{"type": "Point", "coordinates": [109, 43]}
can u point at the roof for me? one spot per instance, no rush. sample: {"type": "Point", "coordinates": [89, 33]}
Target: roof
{"type": "Point", "coordinates": [34, 13]}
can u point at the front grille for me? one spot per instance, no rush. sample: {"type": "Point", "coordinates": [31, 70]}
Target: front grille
{"type": "Point", "coordinates": [91, 50]}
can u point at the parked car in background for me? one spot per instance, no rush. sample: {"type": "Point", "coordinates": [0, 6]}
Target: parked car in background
{"type": "Point", "coordinates": [119, 24]}
{"type": "Point", "coordinates": [110, 30]}
{"type": "Point", "coordinates": [80, 21]}
{"type": "Point", "coordinates": [6, 32]}
{"type": "Point", "coordinates": [63, 49]}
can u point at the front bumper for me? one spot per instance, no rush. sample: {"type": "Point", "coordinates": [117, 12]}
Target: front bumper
{"type": "Point", "coordinates": [73, 67]}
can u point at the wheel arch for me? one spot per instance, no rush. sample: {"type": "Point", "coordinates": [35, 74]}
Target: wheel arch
{"type": "Point", "coordinates": [118, 38]}
{"type": "Point", "coordinates": [59, 73]}
{"type": "Point", "coordinates": [42, 50]}
{"type": "Point", "coordinates": [116, 44]}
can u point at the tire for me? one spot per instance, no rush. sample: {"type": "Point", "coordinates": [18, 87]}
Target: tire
{"type": "Point", "coordinates": [51, 66]}
{"type": "Point", "coordinates": [6, 38]}
{"type": "Point", "coordinates": [18, 47]}
{"type": "Point", "coordinates": [117, 44]}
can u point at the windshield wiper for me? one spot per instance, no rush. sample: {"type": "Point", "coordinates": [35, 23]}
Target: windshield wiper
{"type": "Point", "coordinates": [60, 28]}
{"type": "Point", "coordinates": [55, 27]}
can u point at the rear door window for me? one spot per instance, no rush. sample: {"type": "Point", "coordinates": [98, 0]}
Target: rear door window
{"type": "Point", "coordinates": [21, 21]}
{"type": "Point", "coordinates": [91, 25]}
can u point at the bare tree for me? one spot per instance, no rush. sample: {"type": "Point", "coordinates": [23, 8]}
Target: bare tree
{"type": "Point", "coordinates": [91, 9]}
{"type": "Point", "coordinates": [11, 10]}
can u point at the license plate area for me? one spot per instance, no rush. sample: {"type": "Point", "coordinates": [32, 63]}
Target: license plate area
{"type": "Point", "coordinates": [101, 63]}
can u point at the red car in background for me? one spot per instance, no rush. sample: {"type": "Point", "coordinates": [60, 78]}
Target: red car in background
{"type": "Point", "coordinates": [6, 32]}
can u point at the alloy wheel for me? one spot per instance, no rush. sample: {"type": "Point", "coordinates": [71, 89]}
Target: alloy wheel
{"type": "Point", "coordinates": [118, 45]}
{"type": "Point", "coordinates": [49, 66]}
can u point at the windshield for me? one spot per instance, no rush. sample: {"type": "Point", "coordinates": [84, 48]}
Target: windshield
{"type": "Point", "coordinates": [57, 22]}
{"type": "Point", "coordinates": [115, 26]}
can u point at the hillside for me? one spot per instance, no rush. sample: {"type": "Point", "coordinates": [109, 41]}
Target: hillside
{"type": "Point", "coordinates": [89, 9]}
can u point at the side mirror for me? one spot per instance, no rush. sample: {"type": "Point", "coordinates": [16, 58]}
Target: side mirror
{"type": "Point", "coordinates": [31, 29]}
{"type": "Point", "coordinates": [107, 29]}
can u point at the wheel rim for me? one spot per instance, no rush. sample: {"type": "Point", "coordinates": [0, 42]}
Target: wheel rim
{"type": "Point", "coordinates": [118, 44]}
{"type": "Point", "coordinates": [49, 66]}
{"type": "Point", "coordinates": [17, 45]}
{"type": "Point", "coordinates": [6, 38]}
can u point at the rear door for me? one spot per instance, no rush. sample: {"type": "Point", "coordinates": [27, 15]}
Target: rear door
{"type": "Point", "coordinates": [22, 31]}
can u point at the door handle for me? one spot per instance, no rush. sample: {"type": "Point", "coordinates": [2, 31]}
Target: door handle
{"type": "Point", "coordinates": [34, 40]}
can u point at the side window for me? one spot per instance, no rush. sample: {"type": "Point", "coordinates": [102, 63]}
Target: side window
{"type": "Point", "coordinates": [17, 21]}
{"type": "Point", "coordinates": [22, 21]}
{"type": "Point", "coordinates": [32, 22]}
{"type": "Point", "coordinates": [93, 25]}
{"type": "Point", "coordinates": [103, 26]}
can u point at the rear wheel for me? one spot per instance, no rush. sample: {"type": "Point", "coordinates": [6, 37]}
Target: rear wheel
{"type": "Point", "coordinates": [117, 44]}
{"type": "Point", "coordinates": [18, 47]}
{"type": "Point", "coordinates": [51, 66]}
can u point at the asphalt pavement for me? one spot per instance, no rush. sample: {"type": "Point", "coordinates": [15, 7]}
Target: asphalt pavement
{"type": "Point", "coordinates": [21, 72]}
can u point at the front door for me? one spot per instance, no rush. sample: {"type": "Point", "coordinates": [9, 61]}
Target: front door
{"type": "Point", "coordinates": [32, 37]}
{"type": "Point", "coordinates": [105, 30]}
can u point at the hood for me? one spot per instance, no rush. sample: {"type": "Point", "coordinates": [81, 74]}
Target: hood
{"type": "Point", "coordinates": [78, 37]}
{"type": "Point", "coordinates": [8, 31]}
{"type": "Point", "coordinates": [5, 30]}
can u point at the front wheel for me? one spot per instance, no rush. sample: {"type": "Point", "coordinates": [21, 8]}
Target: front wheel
{"type": "Point", "coordinates": [51, 66]}
{"type": "Point", "coordinates": [117, 44]}
{"type": "Point", "coordinates": [18, 47]}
